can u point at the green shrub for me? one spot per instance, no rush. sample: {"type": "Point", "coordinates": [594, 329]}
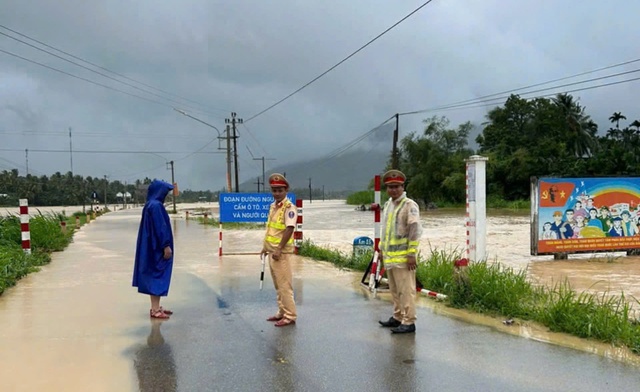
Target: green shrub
{"type": "Point", "coordinates": [359, 198]}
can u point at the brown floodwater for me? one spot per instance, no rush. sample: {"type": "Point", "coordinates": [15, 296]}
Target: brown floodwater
{"type": "Point", "coordinates": [334, 224]}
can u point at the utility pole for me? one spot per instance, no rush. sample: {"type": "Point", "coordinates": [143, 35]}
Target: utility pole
{"type": "Point", "coordinates": [106, 182]}
{"type": "Point", "coordinates": [233, 121]}
{"type": "Point", "coordinates": [70, 151]}
{"type": "Point", "coordinates": [394, 153]}
{"type": "Point", "coordinates": [235, 158]}
{"type": "Point", "coordinates": [228, 158]}
{"type": "Point", "coordinates": [323, 193]}
{"type": "Point", "coordinates": [26, 154]}
{"type": "Point", "coordinates": [173, 181]}
{"type": "Point", "coordinates": [258, 182]}
{"type": "Point", "coordinates": [263, 159]}
{"type": "Point", "coordinates": [219, 138]}
{"type": "Point", "coordinates": [309, 189]}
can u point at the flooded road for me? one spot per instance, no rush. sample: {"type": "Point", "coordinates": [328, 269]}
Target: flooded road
{"type": "Point", "coordinates": [78, 325]}
{"type": "Point", "coordinates": [334, 224]}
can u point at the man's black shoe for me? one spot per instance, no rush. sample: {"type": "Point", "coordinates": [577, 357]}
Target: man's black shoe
{"type": "Point", "coordinates": [411, 328]}
{"type": "Point", "coordinates": [390, 323]}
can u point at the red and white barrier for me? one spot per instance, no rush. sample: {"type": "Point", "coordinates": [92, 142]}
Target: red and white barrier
{"type": "Point", "coordinates": [430, 293]}
{"type": "Point", "coordinates": [373, 272]}
{"type": "Point", "coordinates": [24, 225]}
{"type": "Point", "coordinates": [297, 235]}
{"type": "Point", "coordinates": [220, 240]}
{"type": "Point", "coordinates": [376, 213]}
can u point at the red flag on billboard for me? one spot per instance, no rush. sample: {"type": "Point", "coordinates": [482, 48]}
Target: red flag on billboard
{"type": "Point", "coordinates": [555, 194]}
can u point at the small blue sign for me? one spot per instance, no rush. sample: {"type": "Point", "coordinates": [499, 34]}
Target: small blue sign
{"type": "Point", "coordinates": [363, 241]}
{"type": "Point", "coordinates": [247, 207]}
{"type": "Point", "coordinates": [362, 245]}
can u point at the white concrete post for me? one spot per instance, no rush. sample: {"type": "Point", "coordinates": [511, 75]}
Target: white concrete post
{"type": "Point", "coordinates": [476, 221]}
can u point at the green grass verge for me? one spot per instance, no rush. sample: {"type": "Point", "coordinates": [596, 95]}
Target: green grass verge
{"type": "Point", "coordinates": [46, 237]}
{"type": "Point", "coordinates": [493, 289]}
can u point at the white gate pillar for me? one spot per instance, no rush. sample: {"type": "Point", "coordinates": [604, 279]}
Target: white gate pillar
{"type": "Point", "coordinates": [476, 219]}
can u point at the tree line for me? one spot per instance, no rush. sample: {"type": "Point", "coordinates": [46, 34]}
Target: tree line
{"type": "Point", "coordinates": [68, 189]}
{"type": "Point", "coordinates": [522, 138]}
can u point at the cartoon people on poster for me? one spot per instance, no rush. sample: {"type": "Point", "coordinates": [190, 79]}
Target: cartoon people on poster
{"type": "Point", "coordinates": [606, 207]}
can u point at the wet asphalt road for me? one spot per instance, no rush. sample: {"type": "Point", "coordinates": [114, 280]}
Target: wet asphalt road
{"type": "Point", "coordinates": [218, 339]}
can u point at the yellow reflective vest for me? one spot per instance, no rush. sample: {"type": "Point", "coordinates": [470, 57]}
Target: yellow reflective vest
{"type": "Point", "coordinates": [396, 246]}
{"type": "Point", "coordinates": [276, 227]}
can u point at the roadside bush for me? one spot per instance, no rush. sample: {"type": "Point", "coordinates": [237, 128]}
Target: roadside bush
{"type": "Point", "coordinates": [46, 237]}
{"type": "Point", "coordinates": [500, 291]}
{"type": "Point", "coordinates": [359, 198]}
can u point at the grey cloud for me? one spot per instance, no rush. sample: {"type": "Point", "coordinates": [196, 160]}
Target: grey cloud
{"type": "Point", "coordinates": [245, 55]}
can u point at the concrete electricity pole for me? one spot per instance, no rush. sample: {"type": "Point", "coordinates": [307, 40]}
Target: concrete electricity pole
{"type": "Point", "coordinates": [233, 121]}
{"type": "Point", "coordinates": [309, 189]}
{"type": "Point", "coordinates": [173, 181]}
{"type": "Point", "coordinates": [106, 182]}
{"type": "Point", "coordinates": [394, 153]}
{"type": "Point", "coordinates": [228, 137]}
{"type": "Point", "coordinates": [258, 182]}
{"type": "Point", "coordinates": [262, 159]}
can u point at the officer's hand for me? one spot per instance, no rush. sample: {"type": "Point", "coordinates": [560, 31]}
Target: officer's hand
{"type": "Point", "coordinates": [276, 254]}
{"type": "Point", "coordinates": [167, 252]}
{"type": "Point", "coordinates": [411, 263]}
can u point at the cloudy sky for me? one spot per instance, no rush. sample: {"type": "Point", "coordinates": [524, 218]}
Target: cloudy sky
{"type": "Point", "coordinates": [209, 58]}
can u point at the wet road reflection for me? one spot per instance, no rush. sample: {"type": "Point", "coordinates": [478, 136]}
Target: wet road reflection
{"type": "Point", "coordinates": [80, 326]}
{"type": "Point", "coordinates": [154, 363]}
{"type": "Point", "coordinates": [401, 358]}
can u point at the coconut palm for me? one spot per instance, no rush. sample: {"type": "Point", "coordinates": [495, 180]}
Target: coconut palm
{"type": "Point", "coordinates": [636, 124]}
{"type": "Point", "coordinates": [616, 117]}
{"type": "Point", "coordinates": [582, 129]}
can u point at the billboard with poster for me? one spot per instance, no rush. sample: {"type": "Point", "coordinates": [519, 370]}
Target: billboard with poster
{"type": "Point", "coordinates": [574, 215]}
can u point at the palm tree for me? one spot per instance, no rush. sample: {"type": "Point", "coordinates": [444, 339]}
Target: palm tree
{"type": "Point", "coordinates": [616, 117]}
{"type": "Point", "coordinates": [636, 124]}
{"type": "Point", "coordinates": [582, 129]}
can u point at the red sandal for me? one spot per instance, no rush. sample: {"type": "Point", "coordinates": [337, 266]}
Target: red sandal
{"type": "Point", "coordinates": [166, 311]}
{"type": "Point", "coordinates": [158, 314]}
{"type": "Point", "coordinates": [284, 322]}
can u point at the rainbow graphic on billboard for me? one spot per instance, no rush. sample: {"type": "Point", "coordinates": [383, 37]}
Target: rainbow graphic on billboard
{"type": "Point", "coordinates": [571, 215]}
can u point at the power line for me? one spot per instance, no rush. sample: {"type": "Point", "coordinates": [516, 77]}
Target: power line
{"type": "Point", "coordinates": [339, 63]}
{"type": "Point", "coordinates": [485, 104]}
{"type": "Point", "coordinates": [85, 79]}
{"type": "Point", "coordinates": [118, 152]}
{"type": "Point", "coordinates": [479, 104]}
{"type": "Point", "coordinates": [98, 135]}
{"type": "Point", "coordinates": [253, 137]}
{"type": "Point", "coordinates": [481, 99]}
{"type": "Point", "coordinates": [99, 67]}
{"type": "Point", "coordinates": [354, 142]}
{"type": "Point", "coordinates": [495, 101]}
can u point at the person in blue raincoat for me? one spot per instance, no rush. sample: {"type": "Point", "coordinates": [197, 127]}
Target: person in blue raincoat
{"type": "Point", "coordinates": [154, 250]}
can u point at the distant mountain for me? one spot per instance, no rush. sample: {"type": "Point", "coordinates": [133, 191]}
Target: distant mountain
{"type": "Point", "coordinates": [351, 171]}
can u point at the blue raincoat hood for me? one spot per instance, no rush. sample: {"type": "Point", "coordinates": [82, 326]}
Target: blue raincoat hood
{"type": "Point", "coordinates": [158, 190]}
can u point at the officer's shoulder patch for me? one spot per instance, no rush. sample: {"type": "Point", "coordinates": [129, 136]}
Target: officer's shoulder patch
{"type": "Point", "coordinates": [291, 214]}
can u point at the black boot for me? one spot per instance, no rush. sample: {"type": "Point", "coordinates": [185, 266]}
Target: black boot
{"type": "Point", "coordinates": [390, 323]}
{"type": "Point", "coordinates": [404, 328]}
